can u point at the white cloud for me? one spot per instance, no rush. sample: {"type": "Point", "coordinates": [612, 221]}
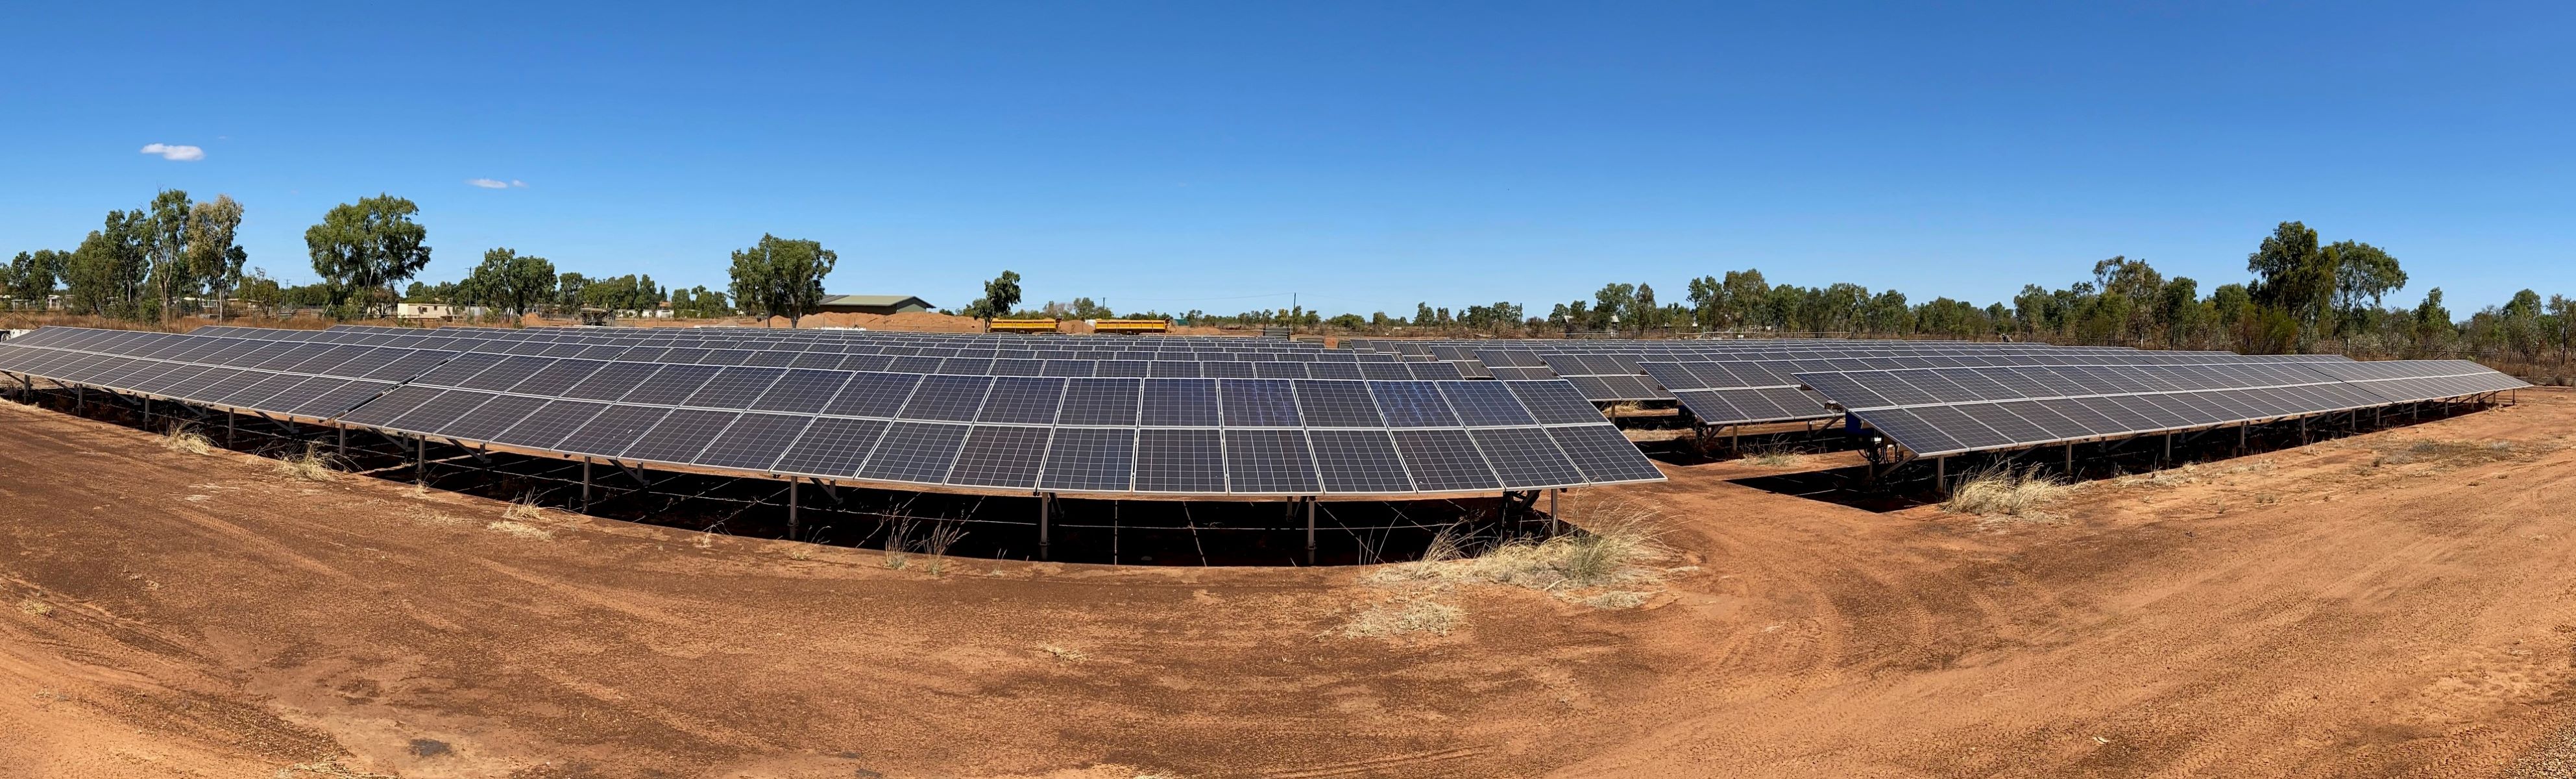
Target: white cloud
{"type": "Point", "coordinates": [496, 183]}
{"type": "Point", "coordinates": [175, 152]}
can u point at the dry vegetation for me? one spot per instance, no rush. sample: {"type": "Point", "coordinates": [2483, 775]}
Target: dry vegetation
{"type": "Point", "coordinates": [325, 769]}
{"type": "Point", "coordinates": [1772, 456]}
{"type": "Point", "coordinates": [1063, 654]}
{"type": "Point", "coordinates": [2003, 492]}
{"type": "Point", "coordinates": [183, 438]}
{"type": "Point", "coordinates": [2452, 453]}
{"type": "Point", "coordinates": [35, 608]}
{"type": "Point", "coordinates": [1386, 620]}
{"type": "Point", "coordinates": [521, 529]}
{"type": "Point", "coordinates": [312, 465]}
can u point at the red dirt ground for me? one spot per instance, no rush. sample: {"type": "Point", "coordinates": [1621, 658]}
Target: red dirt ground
{"type": "Point", "coordinates": [2352, 608]}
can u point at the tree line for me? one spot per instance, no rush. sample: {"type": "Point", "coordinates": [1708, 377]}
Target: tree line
{"type": "Point", "coordinates": [146, 263]}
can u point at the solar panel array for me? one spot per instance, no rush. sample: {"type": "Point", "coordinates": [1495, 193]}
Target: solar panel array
{"type": "Point", "coordinates": [619, 395]}
{"type": "Point", "coordinates": [1942, 411]}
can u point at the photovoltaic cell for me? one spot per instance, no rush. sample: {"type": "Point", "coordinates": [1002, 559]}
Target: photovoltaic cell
{"type": "Point", "coordinates": [1090, 460]}
{"type": "Point", "coordinates": [1178, 403]}
{"type": "Point", "coordinates": [1269, 462]}
{"type": "Point", "coordinates": [1485, 404]}
{"type": "Point", "coordinates": [1028, 400]}
{"type": "Point", "coordinates": [1525, 458]}
{"type": "Point", "coordinates": [947, 398]}
{"type": "Point", "coordinates": [548, 426]}
{"type": "Point", "coordinates": [1554, 402]}
{"type": "Point", "coordinates": [753, 442]}
{"type": "Point", "coordinates": [832, 447]}
{"type": "Point", "coordinates": [1099, 401]}
{"type": "Point", "coordinates": [670, 386]}
{"type": "Point", "coordinates": [1337, 404]}
{"type": "Point", "coordinates": [1444, 461]}
{"type": "Point", "coordinates": [1412, 404]}
{"type": "Point", "coordinates": [680, 436]}
{"type": "Point", "coordinates": [1176, 460]}
{"type": "Point", "coordinates": [1603, 454]}
{"type": "Point", "coordinates": [1258, 403]}
{"type": "Point", "coordinates": [488, 421]}
{"type": "Point", "coordinates": [612, 430]}
{"type": "Point", "coordinates": [873, 395]}
{"type": "Point", "coordinates": [915, 452]}
{"type": "Point", "coordinates": [734, 387]}
{"type": "Point", "coordinates": [440, 411]}
{"type": "Point", "coordinates": [612, 382]}
{"type": "Point", "coordinates": [1001, 456]}
{"type": "Point", "coordinates": [1359, 462]}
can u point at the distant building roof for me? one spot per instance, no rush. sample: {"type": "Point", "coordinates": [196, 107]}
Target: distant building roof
{"type": "Point", "coordinates": [887, 301]}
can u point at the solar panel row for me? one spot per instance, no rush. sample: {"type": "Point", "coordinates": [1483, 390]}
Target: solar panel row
{"type": "Point", "coordinates": [1051, 433]}
{"type": "Point", "coordinates": [1940, 411]}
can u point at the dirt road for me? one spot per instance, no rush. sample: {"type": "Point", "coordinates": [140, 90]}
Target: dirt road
{"type": "Point", "coordinates": [2363, 607]}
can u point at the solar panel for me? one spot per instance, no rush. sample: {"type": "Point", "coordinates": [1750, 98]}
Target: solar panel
{"type": "Point", "coordinates": [680, 436]}
{"type": "Point", "coordinates": [1178, 403]}
{"type": "Point", "coordinates": [1001, 456]}
{"type": "Point", "coordinates": [1258, 403]}
{"type": "Point", "coordinates": [1177, 459]}
{"type": "Point", "coordinates": [1027, 400]}
{"type": "Point", "coordinates": [832, 447]}
{"type": "Point", "coordinates": [1444, 460]}
{"type": "Point", "coordinates": [547, 426]}
{"type": "Point", "coordinates": [915, 452]}
{"type": "Point", "coordinates": [1090, 460]}
{"type": "Point", "coordinates": [754, 442]}
{"type": "Point", "coordinates": [1269, 462]}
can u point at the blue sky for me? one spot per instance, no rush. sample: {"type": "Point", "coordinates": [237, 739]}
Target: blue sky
{"type": "Point", "coordinates": [1178, 156]}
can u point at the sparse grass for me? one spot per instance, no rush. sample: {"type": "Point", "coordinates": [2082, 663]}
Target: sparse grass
{"type": "Point", "coordinates": [525, 509]}
{"type": "Point", "coordinates": [2451, 452]}
{"type": "Point", "coordinates": [1612, 600]}
{"type": "Point", "coordinates": [521, 529]}
{"type": "Point", "coordinates": [1385, 620]}
{"type": "Point", "coordinates": [327, 768]}
{"type": "Point", "coordinates": [1614, 546]}
{"type": "Point", "coordinates": [1063, 654]}
{"type": "Point", "coordinates": [2257, 466]}
{"type": "Point", "coordinates": [35, 608]}
{"type": "Point", "coordinates": [2266, 498]}
{"type": "Point", "coordinates": [184, 438]}
{"type": "Point", "coordinates": [2004, 492]}
{"type": "Point", "coordinates": [801, 552]}
{"type": "Point", "coordinates": [898, 545]}
{"type": "Point", "coordinates": [1772, 456]}
{"type": "Point", "coordinates": [935, 544]}
{"type": "Point", "coordinates": [312, 465]}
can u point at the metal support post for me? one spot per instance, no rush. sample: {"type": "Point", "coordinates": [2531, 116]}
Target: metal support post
{"type": "Point", "coordinates": [2070, 459]}
{"type": "Point", "coordinates": [585, 477]}
{"type": "Point", "coordinates": [344, 443]}
{"type": "Point", "coordinates": [1046, 505]}
{"type": "Point", "coordinates": [420, 463]}
{"type": "Point", "coordinates": [1551, 510]}
{"type": "Point", "coordinates": [228, 429]}
{"type": "Point", "coordinates": [2168, 449]}
{"type": "Point", "coordinates": [791, 509]}
{"type": "Point", "coordinates": [1310, 530]}
{"type": "Point", "coordinates": [1941, 474]}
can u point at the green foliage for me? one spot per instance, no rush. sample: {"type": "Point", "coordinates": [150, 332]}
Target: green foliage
{"type": "Point", "coordinates": [629, 293]}
{"type": "Point", "coordinates": [699, 303]}
{"type": "Point", "coordinates": [214, 258]}
{"type": "Point", "coordinates": [31, 275]}
{"type": "Point", "coordinates": [1001, 295]}
{"type": "Point", "coordinates": [107, 274]}
{"type": "Point", "coordinates": [361, 250]}
{"type": "Point", "coordinates": [509, 282]}
{"type": "Point", "coordinates": [781, 277]}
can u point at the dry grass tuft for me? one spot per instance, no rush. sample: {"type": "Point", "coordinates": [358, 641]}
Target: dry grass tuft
{"type": "Point", "coordinates": [327, 768]}
{"type": "Point", "coordinates": [1772, 456]}
{"type": "Point", "coordinates": [1386, 620]}
{"type": "Point", "coordinates": [1612, 600]}
{"type": "Point", "coordinates": [2004, 492]}
{"type": "Point", "coordinates": [1615, 546]}
{"type": "Point", "coordinates": [521, 529]}
{"type": "Point", "coordinates": [35, 608]}
{"type": "Point", "coordinates": [183, 438]}
{"type": "Point", "coordinates": [1063, 654]}
{"type": "Point", "coordinates": [312, 465]}
{"type": "Point", "coordinates": [525, 509]}
{"type": "Point", "coordinates": [2452, 452]}
{"type": "Point", "coordinates": [935, 544]}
